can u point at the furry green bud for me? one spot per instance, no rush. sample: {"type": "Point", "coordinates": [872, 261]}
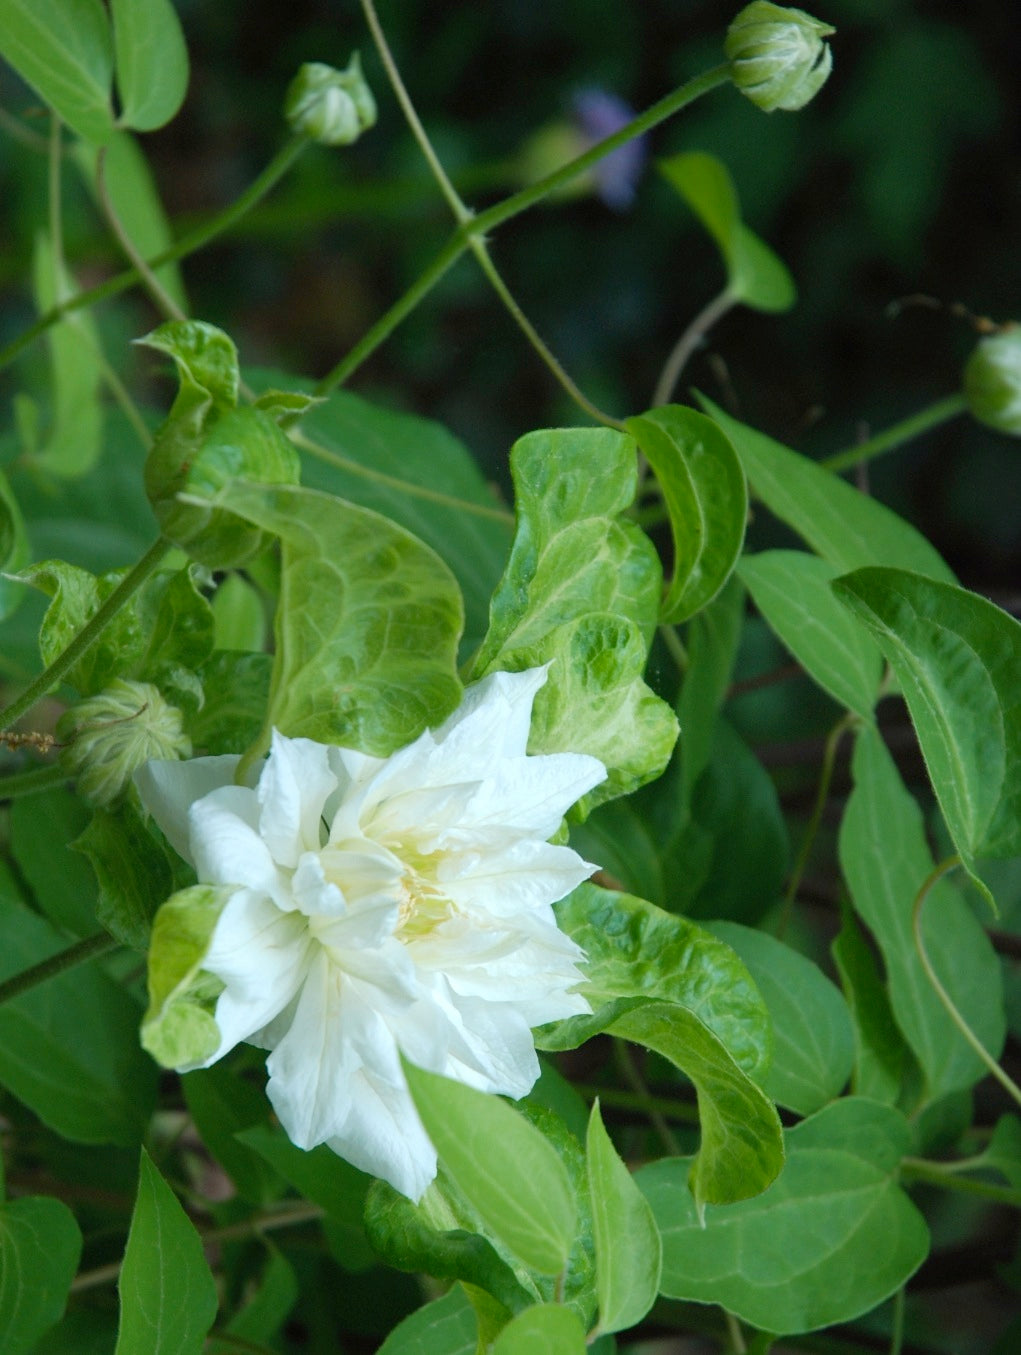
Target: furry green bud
{"type": "Point", "coordinates": [992, 381]}
{"type": "Point", "coordinates": [330, 106]}
{"type": "Point", "coordinates": [777, 55]}
{"type": "Point", "coordinates": [111, 735]}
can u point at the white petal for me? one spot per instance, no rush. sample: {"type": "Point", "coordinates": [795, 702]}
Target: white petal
{"type": "Point", "coordinates": [492, 1049]}
{"type": "Point", "coordinates": [384, 1136]}
{"type": "Point", "coordinates": [494, 718]}
{"type": "Point", "coordinates": [226, 848]}
{"type": "Point", "coordinates": [261, 955]}
{"type": "Point", "coordinates": [293, 788]}
{"type": "Point", "coordinates": [531, 794]}
{"type": "Point", "coordinates": [169, 789]}
{"type": "Point", "coordinates": [525, 875]}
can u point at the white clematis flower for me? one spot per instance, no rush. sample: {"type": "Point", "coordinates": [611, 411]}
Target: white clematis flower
{"type": "Point", "coordinates": [374, 907]}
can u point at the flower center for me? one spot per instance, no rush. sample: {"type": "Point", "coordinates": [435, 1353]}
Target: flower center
{"type": "Point", "coordinates": [423, 905]}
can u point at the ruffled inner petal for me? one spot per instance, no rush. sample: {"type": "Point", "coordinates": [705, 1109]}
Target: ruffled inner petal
{"type": "Point", "coordinates": [169, 789]}
{"type": "Point", "coordinates": [295, 784]}
{"type": "Point", "coordinates": [227, 849]}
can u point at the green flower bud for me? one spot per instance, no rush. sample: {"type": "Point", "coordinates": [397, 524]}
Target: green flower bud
{"type": "Point", "coordinates": [111, 735]}
{"type": "Point", "coordinates": [992, 381]}
{"type": "Point", "coordinates": [330, 106]}
{"type": "Point", "coordinates": [777, 55]}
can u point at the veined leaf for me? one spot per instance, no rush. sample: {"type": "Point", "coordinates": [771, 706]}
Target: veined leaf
{"type": "Point", "coordinates": [522, 1192]}
{"type": "Point", "coordinates": [447, 1326]}
{"type": "Point", "coordinates": [39, 1249]}
{"type": "Point", "coordinates": [957, 659]}
{"type": "Point", "coordinates": [792, 591]}
{"type": "Point", "coordinates": [886, 860]}
{"type": "Point", "coordinates": [629, 1253]}
{"type": "Point", "coordinates": [764, 1260]}
{"type": "Point", "coordinates": [581, 592]}
{"type": "Point", "coordinates": [546, 1329]}
{"type": "Point", "coordinates": [706, 496]}
{"type": "Point", "coordinates": [168, 1296]}
{"type": "Point", "coordinates": [842, 525]}
{"type": "Point", "coordinates": [367, 624]}
{"type": "Point", "coordinates": [152, 62]}
{"type": "Point", "coordinates": [64, 50]}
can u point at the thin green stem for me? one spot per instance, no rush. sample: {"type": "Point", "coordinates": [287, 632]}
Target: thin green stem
{"type": "Point", "coordinates": [675, 647]}
{"type": "Point", "coordinates": [944, 1175]}
{"type": "Point", "coordinates": [898, 434]}
{"type": "Point", "coordinates": [164, 301]}
{"type": "Point", "coordinates": [188, 244]}
{"type": "Point", "coordinates": [897, 1334]}
{"type": "Point", "coordinates": [464, 216]}
{"type": "Point", "coordinates": [1005, 1081]}
{"type": "Point", "coordinates": [31, 782]}
{"type": "Point", "coordinates": [734, 1333]}
{"type": "Point", "coordinates": [688, 342]}
{"type": "Point", "coordinates": [629, 1070]}
{"type": "Point", "coordinates": [821, 796]}
{"type": "Point", "coordinates": [54, 170]}
{"type": "Point", "coordinates": [478, 226]}
{"type": "Point", "coordinates": [56, 964]}
{"type": "Point", "coordinates": [16, 128]}
{"type": "Point", "coordinates": [260, 1223]}
{"type": "Point", "coordinates": [122, 397]}
{"type": "Point", "coordinates": [89, 633]}
{"type": "Point", "coordinates": [461, 212]}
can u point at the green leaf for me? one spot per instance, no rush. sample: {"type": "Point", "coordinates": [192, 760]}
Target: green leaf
{"type": "Point", "coordinates": [236, 688]}
{"type": "Point", "coordinates": [581, 591]}
{"type": "Point", "coordinates": [63, 885]}
{"type": "Point", "coordinates": [844, 526]}
{"type": "Point", "coordinates": [831, 1239]}
{"type": "Point", "coordinates": [957, 659]}
{"type": "Point", "coordinates": [74, 437]}
{"type": "Point", "coordinates": [443, 1236]}
{"type": "Point", "coordinates": [13, 548]}
{"type": "Point", "coordinates": [152, 62]}
{"type": "Point", "coordinates": [755, 275]}
{"type": "Point", "coordinates": [132, 191]}
{"type": "Point", "coordinates": [633, 949]}
{"type": "Point", "coordinates": [222, 1102]}
{"type": "Point", "coordinates": [741, 1151]}
{"type": "Point", "coordinates": [880, 1051]}
{"type": "Point", "coordinates": [417, 473]}
{"type": "Point", "coordinates": [628, 1247]}
{"type": "Point", "coordinates": [63, 49]}
{"type": "Point", "coordinates": [792, 591]}
{"type": "Point", "coordinates": [813, 1042]}
{"type": "Point", "coordinates": [705, 493]}
{"type": "Point", "coordinates": [319, 1175]}
{"type": "Point", "coordinates": [447, 1326]}
{"type": "Point", "coordinates": [133, 872]}
{"type": "Point", "coordinates": [367, 622]}
{"type": "Point", "coordinates": [523, 1194]}
{"type": "Point", "coordinates": [179, 1029]}
{"type": "Point", "coordinates": [238, 615]}
{"type": "Point", "coordinates": [886, 860]}
{"type": "Point", "coordinates": [546, 1329]}
{"type": "Point", "coordinates": [712, 641]}
{"type": "Point", "coordinates": [39, 1249]}
{"type": "Point", "coordinates": [68, 1047]}
{"type": "Point", "coordinates": [168, 1296]}
{"type": "Point", "coordinates": [265, 1312]}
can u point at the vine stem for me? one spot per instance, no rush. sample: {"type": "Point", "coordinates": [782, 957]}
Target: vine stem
{"type": "Point", "coordinates": [822, 795]}
{"type": "Point", "coordinates": [56, 964]}
{"type": "Point", "coordinates": [944, 1175]}
{"type": "Point", "coordinates": [261, 1223]}
{"type": "Point", "coordinates": [688, 342]}
{"type": "Point", "coordinates": [89, 633]}
{"type": "Point", "coordinates": [482, 223]}
{"type": "Point", "coordinates": [189, 243]}
{"type": "Point", "coordinates": [646, 1102]}
{"type": "Point", "coordinates": [898, 433]}
{"type": "Point", "coordinates": [464, 216]}
{"type": "Point", "coordinates": [1005, 1081]}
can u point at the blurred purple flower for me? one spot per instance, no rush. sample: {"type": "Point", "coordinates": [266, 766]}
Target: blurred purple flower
{"type": "Point", "coordinates": [597, 114]}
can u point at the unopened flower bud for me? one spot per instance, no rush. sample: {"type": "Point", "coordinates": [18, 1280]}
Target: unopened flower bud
{"type": "Point", "coordinates": [992, 381]}
{"type": "Point", "coordinates": [330, 106]}
{"type": "Point", "coordinates": [777, 55]}
{"type": "Point", "coordinates": [111, 735]}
